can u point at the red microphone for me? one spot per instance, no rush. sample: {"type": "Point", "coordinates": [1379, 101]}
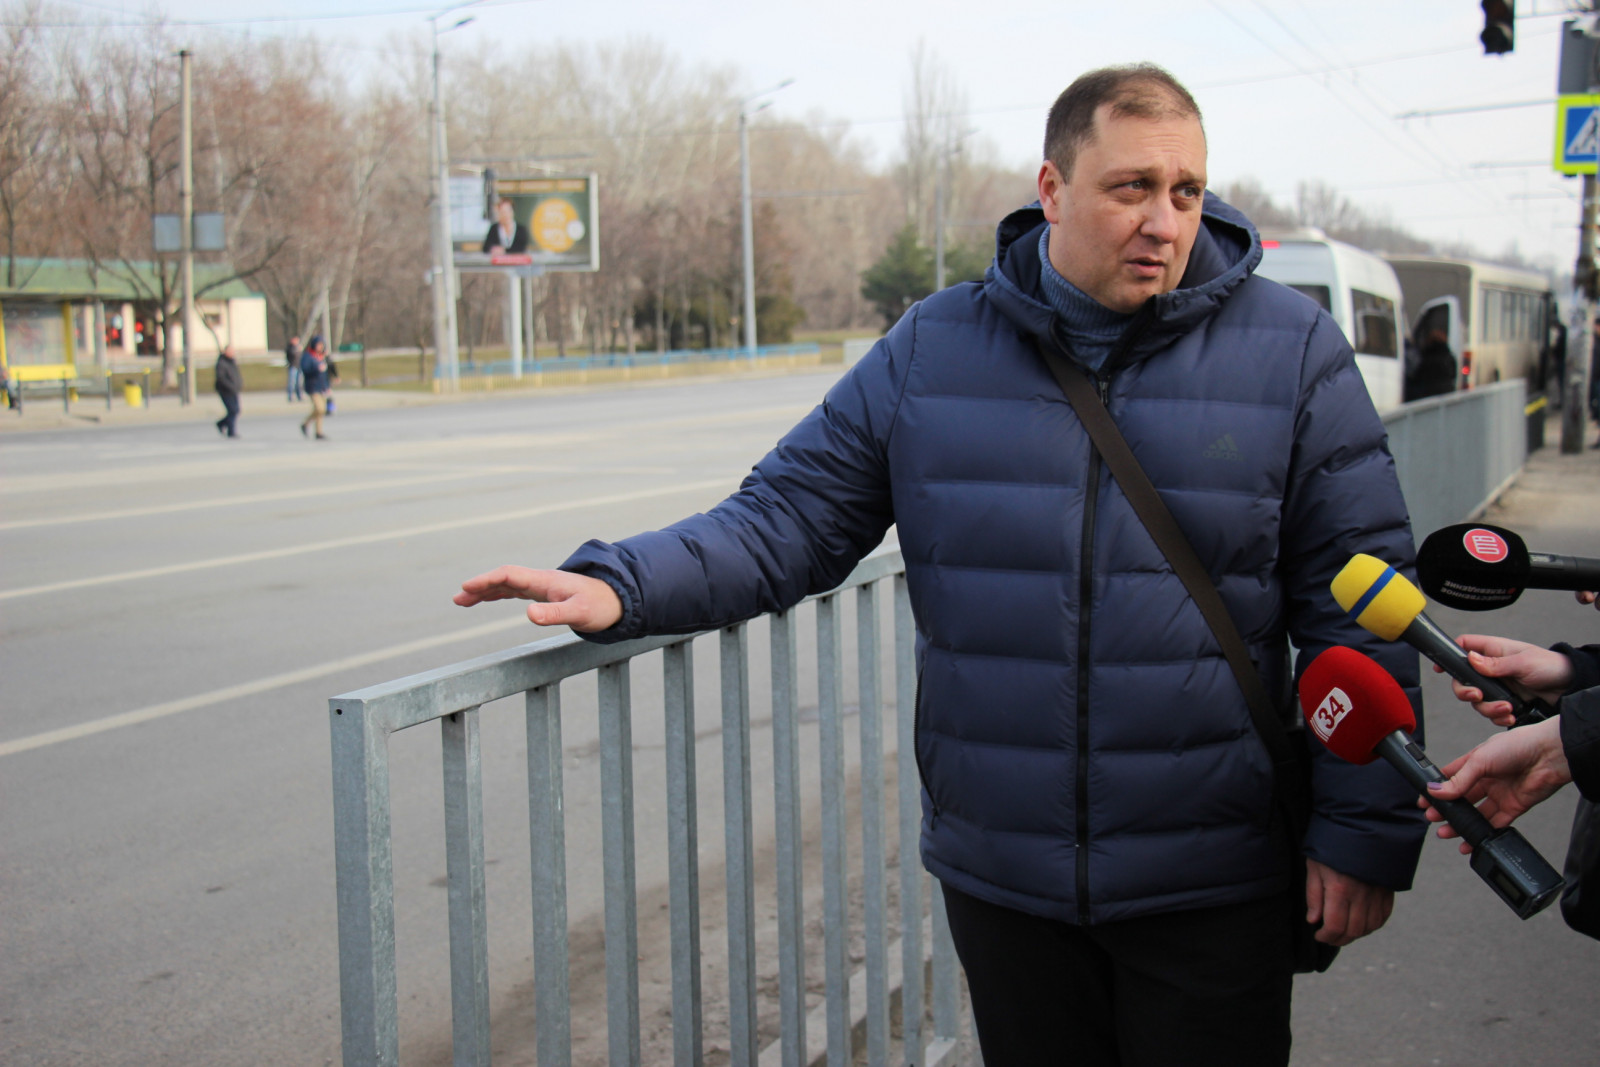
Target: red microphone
{"type": "Point", "coordinates": [1358, 704]}
{"type": "Point", "coordinates": [1359, 712]}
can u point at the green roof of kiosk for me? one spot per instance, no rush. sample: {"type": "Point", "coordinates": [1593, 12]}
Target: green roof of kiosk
{"type": "Point", "coordinates": [74, 279]}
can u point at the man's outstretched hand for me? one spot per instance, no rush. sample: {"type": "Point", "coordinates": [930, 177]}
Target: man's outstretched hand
{"type": "Point", "coordinates": [564, 598]}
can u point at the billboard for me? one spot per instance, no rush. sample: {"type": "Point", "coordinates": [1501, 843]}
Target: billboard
{"type": "Point", "coordinates": [549, 223]}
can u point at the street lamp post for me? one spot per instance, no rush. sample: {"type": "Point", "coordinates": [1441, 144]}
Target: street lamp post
{"type": "Point", "coordinates": [945, 154]}
{"type": "Point", "coordinates": [747, 233]}
{"type": "Point", "coordinates": [443, 273]}
{"type": "Point", "coordinates": [186, 225]}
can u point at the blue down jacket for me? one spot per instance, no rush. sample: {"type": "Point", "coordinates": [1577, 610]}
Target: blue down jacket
{"type": "Point", "coordinates": [1085, 751]}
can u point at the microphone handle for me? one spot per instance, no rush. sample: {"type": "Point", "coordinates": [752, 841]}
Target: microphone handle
{"type": "Point", "coordinates": [1549, 571]}
{"type": "Point", "coordinates": [1407, 757]}
{"type": "Point", "coordinates": [1505, 860]}
{"type": "Point", "coordinates": [1425, 636]}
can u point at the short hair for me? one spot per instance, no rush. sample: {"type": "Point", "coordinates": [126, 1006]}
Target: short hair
{"type": "Point", "coordinates": [1137, 90]}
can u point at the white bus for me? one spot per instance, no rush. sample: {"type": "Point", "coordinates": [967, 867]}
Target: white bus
{"type": "Point", "coordinates": [1358, 289]}
{"type": "Point", "coordinates": [1495, 320]}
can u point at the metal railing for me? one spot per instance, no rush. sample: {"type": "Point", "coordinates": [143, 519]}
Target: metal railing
{"type": "Point", "coordinates": [1458, 452]}
{"type": "Point", "coordinates": [363, 721]}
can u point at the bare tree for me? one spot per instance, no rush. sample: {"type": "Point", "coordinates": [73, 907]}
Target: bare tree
{"type": "Point", "coordinates": [1251, 198]}
{"type": "Point", "coordinates": [29, 124]}
{"type": "Point", "coordinates": [935, 107]}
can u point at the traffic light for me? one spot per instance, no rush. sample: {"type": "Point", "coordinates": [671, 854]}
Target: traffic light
{"type": "Point", "coordinates": [490, 196]}
{"type": "Point", "coordinates": [1499, 26]}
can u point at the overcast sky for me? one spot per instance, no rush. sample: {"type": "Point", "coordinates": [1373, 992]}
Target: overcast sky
{"type": "Point", "coordinates": [1291, 89]}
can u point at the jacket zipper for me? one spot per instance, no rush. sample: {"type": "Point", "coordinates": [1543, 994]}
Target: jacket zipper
{"type": "Point", "coordinates": [916, 752]}
{"type": "Point", "coordinates": [1102, 382]}
{"type": "Point", "coordinates": [1085, 597]}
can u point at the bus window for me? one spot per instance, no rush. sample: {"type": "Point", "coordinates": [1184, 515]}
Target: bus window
{"type": "Point", "coordinates": [1374, 326]}
{"type": "Point", "coordinates": [1319, 293]}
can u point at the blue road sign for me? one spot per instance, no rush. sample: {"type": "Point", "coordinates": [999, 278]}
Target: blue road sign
{"type": "Point", "coordinates": [1577, 134]}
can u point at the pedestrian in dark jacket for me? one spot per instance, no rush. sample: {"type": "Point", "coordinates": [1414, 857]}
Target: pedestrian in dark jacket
{"type": "Point", "coordinates": [229, 384]}
{"type": "Point", "coordinates": [291, 360]}
{"type": "Point", "coordinates": [316, 376]}
{"type": "Point", "coordinates": [1096, 802]}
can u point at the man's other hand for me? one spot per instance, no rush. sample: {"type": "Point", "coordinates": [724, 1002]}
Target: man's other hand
{"type": "Point", "coordinates": [1347, 907]}
{"type": "Point", "coordinates": [563, 598]}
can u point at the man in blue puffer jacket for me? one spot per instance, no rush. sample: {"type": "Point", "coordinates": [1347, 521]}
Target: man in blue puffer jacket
{"type": "Point", "coordinates": [1097, 805]}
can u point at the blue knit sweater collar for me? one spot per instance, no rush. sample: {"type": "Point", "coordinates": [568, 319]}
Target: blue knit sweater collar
{"type": "Point", "coordinates": [1091, 328]}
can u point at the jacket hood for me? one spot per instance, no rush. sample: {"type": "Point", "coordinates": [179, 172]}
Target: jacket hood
{"type": "Point", "coordinates": [1226, 251]}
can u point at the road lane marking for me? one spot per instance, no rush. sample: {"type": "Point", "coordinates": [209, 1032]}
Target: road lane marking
{"type": "Point", "coordinates": [247, 689]}
{"type": "Point", "coordinates": [326, 490]}
{"type": "Point", "coordinates": [229, 501]}
{"type": "Point", "coordinates": [351, 454]}
{"type": "Point", "coordinates": [363, 539]}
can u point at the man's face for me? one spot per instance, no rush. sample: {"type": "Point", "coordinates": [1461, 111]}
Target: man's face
{"type": "Point", "coordinates": [1125, 221]}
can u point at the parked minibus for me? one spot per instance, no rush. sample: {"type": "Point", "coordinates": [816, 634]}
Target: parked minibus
{"type": "Point", "coordinates": [1357, 288]}
{"type": "Point", "coordinates": [1495, 321]}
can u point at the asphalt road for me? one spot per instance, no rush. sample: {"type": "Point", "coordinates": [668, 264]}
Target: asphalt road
{"type": "Point", "coordinates": [176, 610]}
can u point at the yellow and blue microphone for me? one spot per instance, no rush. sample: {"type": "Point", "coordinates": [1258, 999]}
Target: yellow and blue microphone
{"type": "Point", "coordinates": [1385, 603]}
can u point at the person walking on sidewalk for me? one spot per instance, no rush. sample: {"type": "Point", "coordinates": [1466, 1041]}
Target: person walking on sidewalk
{"type": "Point", "coordinates": [291, 360]}
{"type": "Point", "coordinates": [229, 383]}
{"type": "Point", "coordinates": [314, 371]}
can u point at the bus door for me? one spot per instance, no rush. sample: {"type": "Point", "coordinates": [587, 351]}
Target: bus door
{"type": "Point", "coordinates": [1438, 364]}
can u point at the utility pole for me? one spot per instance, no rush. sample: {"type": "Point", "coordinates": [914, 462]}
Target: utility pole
{"type": "Point", "coordinates": [945, 154]}
{"type": "Point", "coordinates": [938, 222]}
{"type": "Point", "coordinates": [186, 228]}
{"type": "Point", "coordinates": [748, 236]}
{"type": "Point", "coordinates": [1578, 74]}
{"type": "Point", "coordinates": [1575, 393]}
{"type": "Point", "coordinates": [443, 274]}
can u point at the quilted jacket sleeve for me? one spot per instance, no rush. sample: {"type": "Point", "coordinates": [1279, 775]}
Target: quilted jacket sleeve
{"type": "Point", "coordinates": [798, 525]}
{"type": "Point", "coordinates": [1344, 498]}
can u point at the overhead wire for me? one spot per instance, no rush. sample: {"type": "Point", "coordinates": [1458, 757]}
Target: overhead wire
{"type": "Point", "coordinates": [1436, 158]}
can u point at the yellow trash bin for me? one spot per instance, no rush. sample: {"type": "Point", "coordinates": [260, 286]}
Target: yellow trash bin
{"type": "Point", "coordinates": [133, 395]}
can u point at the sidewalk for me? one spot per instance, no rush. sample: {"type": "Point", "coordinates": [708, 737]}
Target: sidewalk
{"type": "Point", "coordinates": [45, 412]}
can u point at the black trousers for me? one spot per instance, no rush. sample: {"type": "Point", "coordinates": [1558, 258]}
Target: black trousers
{"type": "Point", "coordinates": [228, 422]}
{"type": "Point", "coordinates": [1184, 989]}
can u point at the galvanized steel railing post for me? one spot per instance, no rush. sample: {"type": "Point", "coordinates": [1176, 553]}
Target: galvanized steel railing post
{"type": "Point", "coordinates": [740, 845]}
{"type": "Point", "coordinates": [835, 915]}
{"type": "Point", "coordinates": [368, 996]}
{"type": "Point", "coordinates": [909, 791]}
{"type": "Point", "coordinates": [946, 984]}
{"type": "Point", "coordinates": [469, 924]}
{"type": "Point", "coordinates": [873, 863]}
{"type": "Point", "coordinates": [616, 834]}
{"type": "Point", "coordinates": [547, 832]}
{"type": "Point", "coordinates": [790, 861]}
{"type": "Point", "coordinates": [683, 855]}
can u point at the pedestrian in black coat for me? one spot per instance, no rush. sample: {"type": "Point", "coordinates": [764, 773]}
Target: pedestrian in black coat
{"type": "Point", "coordinates": [229, 384]}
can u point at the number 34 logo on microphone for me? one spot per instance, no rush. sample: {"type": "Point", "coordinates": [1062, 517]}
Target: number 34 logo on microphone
{"type": "Point", "coordinates": [1330, 713]}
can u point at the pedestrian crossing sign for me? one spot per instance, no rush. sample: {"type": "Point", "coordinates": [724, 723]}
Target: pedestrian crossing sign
{"type": "Point", "coordinates": [1577, 134]}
